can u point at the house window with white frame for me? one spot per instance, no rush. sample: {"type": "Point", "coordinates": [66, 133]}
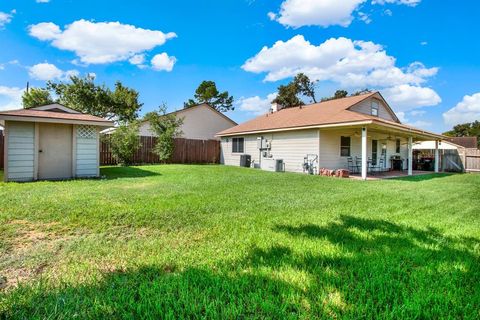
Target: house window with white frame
{"type": "Point", "coordinates": [238, 145]}
{"type": "Point", "coordinates": [345, 145]}
{"type": "Point", "coordinates": [375, 108]}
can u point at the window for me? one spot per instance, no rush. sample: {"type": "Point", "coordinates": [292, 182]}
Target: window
{"type": "Point", "coordinates": [345, 146]}
{"type": "Point", "coordinates": [237, 145]}
{"type": "Point", "coordinates": [374, 152]}
{"type": "Point", "coordinates": [397, 146]}
{"type": "Point", "coordinates": [375, 108]}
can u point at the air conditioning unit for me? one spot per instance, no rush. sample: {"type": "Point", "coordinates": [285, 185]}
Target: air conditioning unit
{"type": "Point", "coordinates": [245, 160]}
{"type": "Point", "coordinates": [279, 165]}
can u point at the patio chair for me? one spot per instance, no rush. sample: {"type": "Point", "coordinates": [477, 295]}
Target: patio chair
{"type": "Point", "coordinates": [352, 165]}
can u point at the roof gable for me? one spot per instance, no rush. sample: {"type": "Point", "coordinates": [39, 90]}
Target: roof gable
{"type": "Point", "coordinates": [55, 107]}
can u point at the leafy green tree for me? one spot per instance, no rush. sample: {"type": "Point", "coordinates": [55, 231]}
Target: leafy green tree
{"type": "Point", "coordinates": [207, 92]}
{"type": "Point", "coordinates": [124, 142]}
{"type": "Point", "coordinates": [36, 97]}
{"type": "Point", "coordinates": [340, 94]}
{"type": "Point", "coordinates": [82, 94]}
{"type": "Point", "coordinates": [471, 129]}
{"type": "Point", "coordinates": [287, 96]}
{"type": "Point", "coordinates": [337, 95]}
{"type": "Point", "coordinates": [305, 86]}
{"type": "Point", "coordinates": [166, 127]}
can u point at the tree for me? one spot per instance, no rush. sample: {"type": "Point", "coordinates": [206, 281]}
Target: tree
{"type": "Point", "coordinates": [340, 94]}
{"type": "Point", "coordinates": [167, 128]}
{"type": "Point", "coordinates": [337, 95]}
{"type": "Point", "coordinates": [287, 96]}
{"type": "Point", "coordinates": [470, 129]}
{"type": "Point", "coordinates": [124, 142]}
{"type": "Point", "coordinates": [83, 95]}
{"type": "Point", "coordinates": [36, 97]}
{"type": "Point", "coordinates": [305, 86]}
{"type": "Point", "coordinates": [207, 92]}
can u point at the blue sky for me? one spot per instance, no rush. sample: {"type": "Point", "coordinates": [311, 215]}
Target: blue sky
{"type": "Point", "coordinates": [421, 54]}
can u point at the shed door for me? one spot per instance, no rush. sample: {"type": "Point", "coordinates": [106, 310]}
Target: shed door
{"type": "Point", "coordinates": [55, 151]}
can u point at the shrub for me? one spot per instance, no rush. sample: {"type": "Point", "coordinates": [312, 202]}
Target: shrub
{"type": "Point", "coordinates": [124, 142]}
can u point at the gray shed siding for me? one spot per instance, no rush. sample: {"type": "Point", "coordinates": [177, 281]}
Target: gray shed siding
{"type": "Point", "coordinates": [87, 154]}
{"type": "Point", "coordinates": [20, 151]}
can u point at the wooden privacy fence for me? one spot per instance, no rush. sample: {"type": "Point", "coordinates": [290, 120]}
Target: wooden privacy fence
{"type": "Point", "coordinates": [185, 151]}
{"type": "Point", "coordinates": [2, 157]}
{"type": "Point", "coordinates": [472, 160]}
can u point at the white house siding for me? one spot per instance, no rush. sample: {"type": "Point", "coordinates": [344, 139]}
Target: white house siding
{"type": "Point", "coordinates": [21, 151]}
{"type": "Point", "coordinates": [87, 151]}
{"type": "Point", "coordinates": [199, 122]}
{"type": "Point", "coordinates": [366, 108]}
{"type": "Point", "coordinates": [233, 159]}
{"type": "Point", "coordinates": [290, 146]}
{"type": "Point", "coordinates": [330, 147]}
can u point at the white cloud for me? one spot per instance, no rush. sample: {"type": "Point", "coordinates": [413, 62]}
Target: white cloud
{"type": "Point", "coordinates": [47, 71]}
{"type": "Point", "coordinates": [5, 18]}
{"type": "Point", "coordinates": [42, 1]}
{"type": "Point", "coordinates": [406, 97]}
{"type": "Point", "coordinates": [467, 110]}
{"type": "Point", "coordinates": [417, 123]}
{"type": "Point", "coordinates": [100, 42]}
{"type": "Point", "coordinates": [298, 13]}
{"type": "Point", "coordinates": [162, 62]}
{"type": "Point", "coordinates": [350, 63]}
{"type": "Point", "coordinates": [424, 43]}
{"type": "Point", "coordinates": [324, 13]}
{"type": "Point", "coordinates": [364, 17]}
{"type": "Point", "coordinates": [411, 3]}
{"type": "Point", "coordinates": [10, 98]}
{"type": "Point", "coordinates": [416, 113]}
{"type": "Point", "coordinates": [256, 105]}
{"type": "Point", "coordinates": [137, 59]}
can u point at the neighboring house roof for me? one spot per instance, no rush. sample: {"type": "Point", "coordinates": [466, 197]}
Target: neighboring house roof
{"type": "Point", "coordinates": [323, 114]}
{"type": "Point", "coordinates": [467, 142]}
{"type": "Point", "coordinates": [53, 116]}
{"type": "Point", "coordinates": [200, 105]}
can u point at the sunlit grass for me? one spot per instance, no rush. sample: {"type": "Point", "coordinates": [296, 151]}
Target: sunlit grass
{"type": "Point", "coordinates": [221, 242]}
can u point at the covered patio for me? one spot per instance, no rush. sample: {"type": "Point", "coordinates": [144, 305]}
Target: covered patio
{"type": "Point", "coordinates": [377, 149]}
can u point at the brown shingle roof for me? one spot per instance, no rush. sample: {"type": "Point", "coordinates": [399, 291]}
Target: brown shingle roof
{"type": "Point", "coordinates": [467, 142]}
{"type": "Point", "coordinates": [52, 115]}
{"type": "Point", "coordinates": [327, 112]}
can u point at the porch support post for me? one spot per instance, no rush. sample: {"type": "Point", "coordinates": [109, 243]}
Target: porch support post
{"type": "Point", "coordinates": [364, 153]}
{"type": "Point", "coordinates": [437, 158]}
{"type": "Point", "coordinates": [410, 156]}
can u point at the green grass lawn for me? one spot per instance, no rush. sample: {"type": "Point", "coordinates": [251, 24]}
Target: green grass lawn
{"type": "Point", "coordinates": [220, 242]}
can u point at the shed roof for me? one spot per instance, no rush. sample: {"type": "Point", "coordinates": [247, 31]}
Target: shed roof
{"type": "Point", "coordinates": [53, 116]}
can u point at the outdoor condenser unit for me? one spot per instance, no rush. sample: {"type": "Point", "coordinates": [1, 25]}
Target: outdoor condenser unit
{"type": "Point", "coordinates": [245, 160]}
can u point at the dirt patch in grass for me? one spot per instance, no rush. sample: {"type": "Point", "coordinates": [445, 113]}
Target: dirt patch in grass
{"type": "Point", "coordinates": [29, 248]}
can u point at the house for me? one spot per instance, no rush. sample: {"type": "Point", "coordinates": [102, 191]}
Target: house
{"type": "Point", "coordinates": [200, 122]}
{"type": "Point", "coordinates": [358, 132]}
{"type": "Point", "coordinates": [51, 142]}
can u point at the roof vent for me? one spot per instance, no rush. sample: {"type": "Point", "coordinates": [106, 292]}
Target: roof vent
{"type": "Point", "coordinates": [275, 107]}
